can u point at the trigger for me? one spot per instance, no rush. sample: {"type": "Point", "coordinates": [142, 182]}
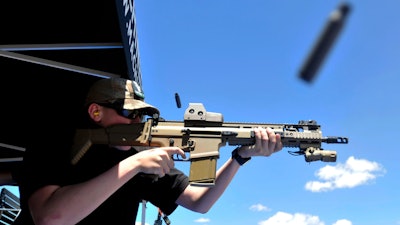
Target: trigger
{"type": "Point", "coordinates": [177, 157]}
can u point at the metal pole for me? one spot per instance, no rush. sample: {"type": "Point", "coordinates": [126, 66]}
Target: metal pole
{"type": "Point", "coordinates": [143, 212]}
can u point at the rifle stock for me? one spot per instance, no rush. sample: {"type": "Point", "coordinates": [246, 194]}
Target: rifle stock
{"type": "Point", "coordinates": [201, 135]}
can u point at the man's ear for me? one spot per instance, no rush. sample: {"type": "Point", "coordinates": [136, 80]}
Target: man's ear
{"type": "Point", "coordinates": [95, 112]}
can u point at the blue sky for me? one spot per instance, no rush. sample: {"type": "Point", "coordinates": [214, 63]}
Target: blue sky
{"type": "Point", "coordinates": [241, 59]}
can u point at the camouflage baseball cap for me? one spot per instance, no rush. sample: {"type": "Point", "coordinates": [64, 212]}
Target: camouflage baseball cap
{"type": "Point", "coordinates": [112, 90]}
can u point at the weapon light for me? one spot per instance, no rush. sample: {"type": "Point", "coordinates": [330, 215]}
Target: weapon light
{"type": "Point", "coordinates": [314, 154]}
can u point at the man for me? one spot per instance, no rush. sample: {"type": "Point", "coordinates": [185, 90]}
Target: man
{"type": "Point", "coordinates": [108, 182]}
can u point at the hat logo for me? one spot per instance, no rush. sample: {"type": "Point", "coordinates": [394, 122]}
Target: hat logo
{"type": "Point", "coordinates": [134, 90]}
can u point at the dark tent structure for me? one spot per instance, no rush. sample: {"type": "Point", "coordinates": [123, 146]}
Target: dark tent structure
{"type": "Point", "coordinates": [50, 52]}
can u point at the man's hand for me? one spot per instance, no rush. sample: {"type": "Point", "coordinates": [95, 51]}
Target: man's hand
{"type": "Point", "coordinates": [158, 161]}
{"type": "Point", "coordinates": [267, 143]}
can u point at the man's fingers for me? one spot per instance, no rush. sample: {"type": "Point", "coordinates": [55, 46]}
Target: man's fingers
{"type": "Point", "coordinates": [279, 144]}
{"type": "Point", "coordinates": [175, 150]}
{"type": "Point", "coordinates": [271, 140]}
{"type": "Point", "coordinates": [261, 138]}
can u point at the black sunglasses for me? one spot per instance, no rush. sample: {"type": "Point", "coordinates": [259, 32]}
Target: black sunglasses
{"type": "Point", "coordinates": [131, 114]}
{"type": "Point", "coordinates": [127, 113]}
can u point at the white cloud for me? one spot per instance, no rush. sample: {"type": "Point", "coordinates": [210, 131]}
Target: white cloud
{"type": "Point", "coordinates": [259, 207]}
{"type": "Point", "coordinates": [343, 222]}
{"type": "Point", "coordinates": [202, 220]}
{"type": "Point", "coordinates": [283, 218]}
{"type": "Point", "coordinates": [353, 173]}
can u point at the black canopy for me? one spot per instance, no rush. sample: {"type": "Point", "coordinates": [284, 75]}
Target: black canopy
{"type": "Point", "coordinates": [51, 51]}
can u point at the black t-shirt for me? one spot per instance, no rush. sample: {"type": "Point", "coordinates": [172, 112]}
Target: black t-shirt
{"type": "Point", "coordinates": [50, 164]}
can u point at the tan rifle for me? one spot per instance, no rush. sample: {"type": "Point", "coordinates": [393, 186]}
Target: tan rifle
{"type": "Point", "coordinates": [201, 135]}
